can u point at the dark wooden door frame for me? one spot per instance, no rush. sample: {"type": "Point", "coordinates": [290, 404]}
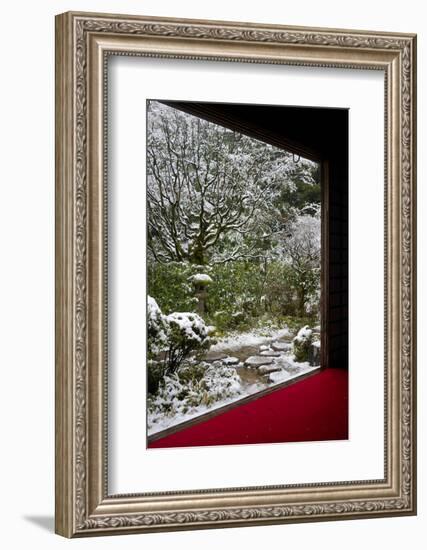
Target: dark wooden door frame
{"type": "Point", "coordinates": [324, 269]}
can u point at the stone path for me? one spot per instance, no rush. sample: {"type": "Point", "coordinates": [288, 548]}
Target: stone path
{"type": "Point", "coordinates": [261, 364]}
{"type": "Point", "coordinates": [258, 361]}
{"type": "Point", "coordinates": [255, 363]}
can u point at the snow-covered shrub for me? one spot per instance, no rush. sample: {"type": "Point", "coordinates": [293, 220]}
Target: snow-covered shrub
{"type": "Point", "coordinates": [302, 344]}
{"type": "Point", "coordinates": [187, 333]}
{"type": "Point", "coordinates": [157, 328]}
{"type": "Point", "coordinates": [192, 388]}
{"type": "Point", "coordinates": [221, 382]}
{"type": "Point", "coordinates": [178, 335]}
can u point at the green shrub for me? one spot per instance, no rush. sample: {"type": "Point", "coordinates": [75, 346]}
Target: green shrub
{"type": "Point", "coordinates": [187, 334]}
{"type": "Point", "coordinates": [155, 375]}
{"type": "Point", "coordinates": [240, 295]}
{"type": "Point", "coordinates": [170, 285]}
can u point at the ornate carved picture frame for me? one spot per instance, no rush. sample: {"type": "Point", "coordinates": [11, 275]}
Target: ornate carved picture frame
{"type": "Point", "coordinates": [84, 44]}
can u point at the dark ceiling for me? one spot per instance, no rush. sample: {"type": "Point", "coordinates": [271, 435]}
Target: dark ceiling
{"type": "Point", "coordinates": [318, 133]}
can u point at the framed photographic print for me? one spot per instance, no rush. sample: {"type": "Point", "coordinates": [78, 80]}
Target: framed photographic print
{"type": "Point", "coordinates": [235, 274]}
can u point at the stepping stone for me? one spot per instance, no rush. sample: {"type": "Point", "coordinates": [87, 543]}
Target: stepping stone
{"type": "Point", "coordinates": [212, 356]}
{"type": "Point", "coordinates": [231, 361]}
{"type": "Point", "coordinates": [268, 369]}
{"type": "Point", "coordinates": [269, 353]}
{"type": "Point", "coordinates": [284, 363]}
{"type": "Point", "coordinates": [276, 377]}
{"type": "Point", "coordinates": [280, 346]}
{"type": "Point", "coordinates": [264, 348]}
{"type": "Point", "coordinates": [258, 361]}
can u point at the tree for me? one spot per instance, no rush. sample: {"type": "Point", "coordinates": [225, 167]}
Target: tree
{"type": "Point", "coordinates": [210, 189]}
{"type": "Point", "coordinates": [301, 248]}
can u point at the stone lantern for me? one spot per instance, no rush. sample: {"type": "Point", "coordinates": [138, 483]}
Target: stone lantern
{"type": "Point", "coordinates": [200, 282]}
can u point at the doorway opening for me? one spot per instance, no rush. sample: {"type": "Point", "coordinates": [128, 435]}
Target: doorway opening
{"type": "Point", "coordinates": [241, 259]}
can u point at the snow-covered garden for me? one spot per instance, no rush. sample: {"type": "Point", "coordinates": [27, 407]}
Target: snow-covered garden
{"type": "Point", "coordinates": [233, 266]}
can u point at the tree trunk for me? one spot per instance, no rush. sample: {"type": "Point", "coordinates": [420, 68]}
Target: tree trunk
{"type": "Point", "coordinates": [198, 256]}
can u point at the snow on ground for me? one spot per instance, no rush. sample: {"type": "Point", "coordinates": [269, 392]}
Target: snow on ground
{"type": "Point", "coordinates": [162, 422]}
{"type": "Point", "coordinates": [240, 343]}
{"type": "Point", "coordinates": [246, 339]}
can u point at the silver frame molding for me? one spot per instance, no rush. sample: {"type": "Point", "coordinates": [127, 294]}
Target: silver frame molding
{"type": "Point", "coordinates": [83, 43]}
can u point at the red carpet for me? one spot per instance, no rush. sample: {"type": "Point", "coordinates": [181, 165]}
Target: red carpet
{"type": "Point", "coordinates": [314, 409]}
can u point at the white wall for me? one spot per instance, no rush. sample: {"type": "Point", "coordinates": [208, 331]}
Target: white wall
{"type": "Point", "coordinates": [27, 266]}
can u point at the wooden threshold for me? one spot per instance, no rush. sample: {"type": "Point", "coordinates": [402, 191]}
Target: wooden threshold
{"type": "Point", "coordinates": [229, 406]}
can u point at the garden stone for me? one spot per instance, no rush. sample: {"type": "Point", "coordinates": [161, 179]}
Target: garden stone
{"type": "Point", "coordinates": [268, 369]}
{"type": "Point", "coordinates": [314, 354]}
{"type": "Point", "coordinates": [275, 377]}
{"type": "Point", "coordinates": [231, 361]}
{"type": "Point", "coordinates": [280, 346]}
{"type": "Point", "coordinates": [269, 353]}
{"type": "Point", "coordinates": [258, 361]}
{"type": "Point", "coordinates": [286, 365]}
{"type": "Point", "coordinates": [214, 356]}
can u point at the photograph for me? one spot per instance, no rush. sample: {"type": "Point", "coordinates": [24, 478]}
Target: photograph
{"type": "Point", "coordinates": [234, 264]}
